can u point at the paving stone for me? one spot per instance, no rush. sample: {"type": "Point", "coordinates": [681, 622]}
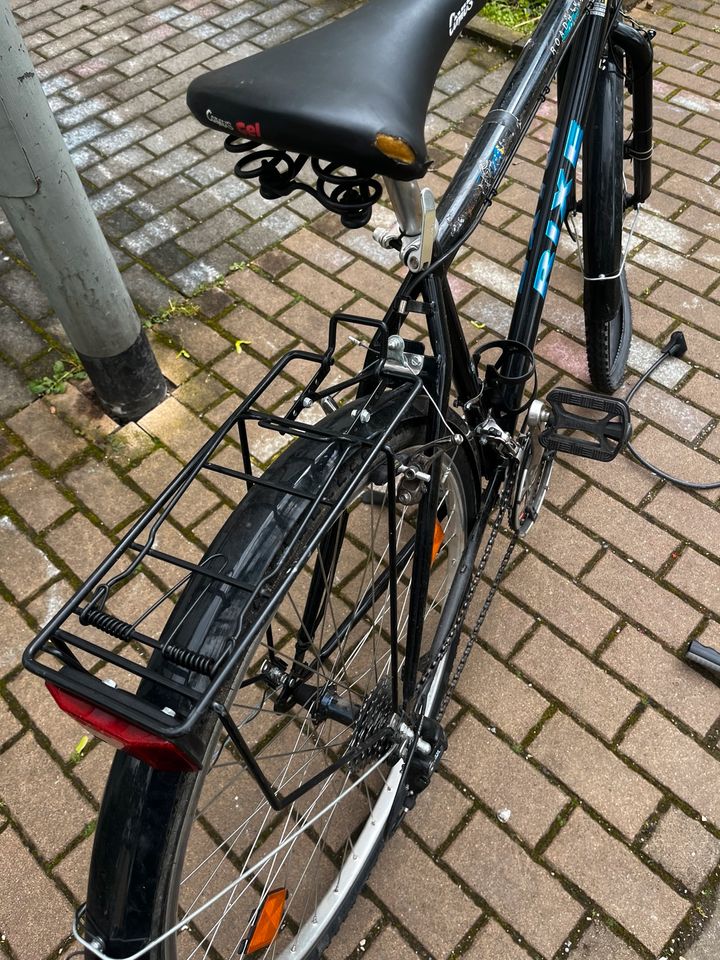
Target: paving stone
{"type": "Point", "coordinates": [504, 780]}
{"type": "Point", "coordinates": [146, 290]}
{"type": "Point", "coordinates": [617, 524]}
{"type": "Point", "coordinates": [705, 947]}
{"type": "Point", "coordinates": [30, 777]}
{"type": "Point", "coordinates": [676, 761]}
{"type": "Point", "coordinates": [436, 814]}
{"type": "Point", "coordinates": [37, 500]}
{"type": "Point", "coordinates": [31, 934]}
{"type": "Point", "coordinates": [318, 251]}
{"type": "Point", "coordinates": [46, 435]}
{"type": "Point", "coordinates": [62, 731]}
{"type": "Point", "coordinates": [354, 930]}
{"type": "Point", "coordinates": [562, 543]}
{"type": "Point", "coordinates": [684, 847]}
{"type": "Point", "coordinates": [505, 624]}
{"type": "Point", "coordinates": [504, 698]}
{"type": "Point", "coordinates": [103, 492]}
{"type": "Point", "coordinates": [19, 340]}
{"type": "Point", "coordinates": [319, 289]}
{"type": "Point", "coordinates": [24, 568]}
{"type": "Point", "coordinates": [691, 519]}
{"type": "Point", "coordinates": [645, 601]}
{"type": "Point", "coordinates": [197, 338]}
{"type": "Point", "coordinates": [560, 601]}
{"type": "Point", "coordinates": [80, 544]}
{"type": "Point", "coordinates": [129, 444]}
{"type": "Point", "coordinates": [704, 390]}
{"type": "Point", "coordinates": [391, 944]}
{"type": "Point", "coordinates": [393, 879]}
{"type": "Point", "coordinates": [697, 577]}
{"type": "Point", "coordinates": [177, 427]}
{"type": "Point", "coordinates": [258, 292]}
{"type": "Point", "coordinates": [94, 768]}
{"type": "Point", "coordinates": [14, 390]}
{"type": "Point", "coordinates": [570, 676]}
{"type": "Point", "coordinates": [492, 943]}
{"type": "Point", "coordinates": [522, 892]}
{"type": "Point", "coordinates": [74, 868]}
{"type": "Point", "coordinates": [81, 408]}
{"type": "Point", "coordinates": [616, 879]}
{"type": "Point", "coordinates": [597, 943]}
{"type": "Point", "coordinates": [23, 293]}
{"type": "Point", "coordinates": [595, 774]}
{"type": "Point", "coordinates": [9, 725]}
{"type": "Point", "coordinates": [266, 232]}
{"type": "Point", "coordinates": [668, 679]}
{"type": "Point", "coordinates": [264, 338]}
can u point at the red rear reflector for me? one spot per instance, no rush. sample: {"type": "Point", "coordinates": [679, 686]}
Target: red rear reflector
{"type": "Point", "coordinates": [153, 750]}
{"type": "Point", "coordinates": [268, 921]}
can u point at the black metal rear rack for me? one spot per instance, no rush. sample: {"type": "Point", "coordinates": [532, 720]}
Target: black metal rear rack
{"type": "Point", "coordinates": [98, 647]}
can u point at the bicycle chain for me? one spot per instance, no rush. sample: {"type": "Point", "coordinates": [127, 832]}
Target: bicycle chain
{"type": "Point", "coordinates": [469, 594]}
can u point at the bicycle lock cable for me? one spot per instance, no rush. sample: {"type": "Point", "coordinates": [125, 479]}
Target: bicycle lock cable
{"type": "Point", "coordinates": [675, 347]}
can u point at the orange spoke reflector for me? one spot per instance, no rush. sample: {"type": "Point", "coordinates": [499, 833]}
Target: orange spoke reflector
{"type": "Point", "coordinates": [438, 537]}
{"type": "Point", "coordinates": [268, 921]}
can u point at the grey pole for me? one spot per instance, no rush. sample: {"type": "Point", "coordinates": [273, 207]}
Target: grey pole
{"type": "Point", "coordinates": [49, 211]}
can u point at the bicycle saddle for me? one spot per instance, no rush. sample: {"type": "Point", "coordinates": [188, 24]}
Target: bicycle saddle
{"type": "Point", "coordinates": [355, 92]}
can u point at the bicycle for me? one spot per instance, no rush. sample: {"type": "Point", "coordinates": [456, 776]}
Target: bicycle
{"type": "Point", "coordinates": [298, 684]}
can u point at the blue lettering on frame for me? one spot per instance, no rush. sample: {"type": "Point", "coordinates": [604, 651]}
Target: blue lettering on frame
{"type": "Point", "coordinates": [563, 188]}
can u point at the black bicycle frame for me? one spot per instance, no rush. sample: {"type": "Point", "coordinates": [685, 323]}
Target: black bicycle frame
{"type": "Point", "coordinates": [591, 24]}
{"type": "Point", "coordinates": [578, 34]}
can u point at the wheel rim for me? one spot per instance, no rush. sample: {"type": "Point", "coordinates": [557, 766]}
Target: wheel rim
{"type": "Point", "coordinates": [347, 813]}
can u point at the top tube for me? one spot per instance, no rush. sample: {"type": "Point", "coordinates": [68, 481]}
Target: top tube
{"type": "Point", "coordinates": [489, 155]}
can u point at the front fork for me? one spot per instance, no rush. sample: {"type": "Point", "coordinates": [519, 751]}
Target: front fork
{"type": "Point", "coordinates": [636, 44]}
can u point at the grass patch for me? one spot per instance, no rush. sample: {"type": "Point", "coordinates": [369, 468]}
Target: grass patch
{"type": "Point", "coordinates": [175, 308]}
{"type": "Point", "coordinates": [520, 15]}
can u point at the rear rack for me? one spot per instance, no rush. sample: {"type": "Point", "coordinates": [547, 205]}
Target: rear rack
{"type": "Point", "coordinates": [99, 646]}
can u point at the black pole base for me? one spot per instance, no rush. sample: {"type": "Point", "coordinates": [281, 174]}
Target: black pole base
{"type": "Point", "coordinates": [129, 384]}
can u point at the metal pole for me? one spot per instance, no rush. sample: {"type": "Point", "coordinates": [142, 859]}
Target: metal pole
{"type": "Point", "coordinates": [51, 215]}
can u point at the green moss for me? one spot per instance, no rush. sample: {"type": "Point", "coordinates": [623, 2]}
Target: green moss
{"type": "Point", "coordinates": [520, 15]}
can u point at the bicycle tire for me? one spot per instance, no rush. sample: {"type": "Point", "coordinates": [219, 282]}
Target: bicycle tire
{"type": "Point", "coordinates": [608, 313]}
{"type": "Point", "coordinates": [147, 825]}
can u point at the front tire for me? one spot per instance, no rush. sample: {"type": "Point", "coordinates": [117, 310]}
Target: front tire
{"type": "Point", "coordinates": [608, 315]}
{"type": "Point", "coordinates": [167, 843]}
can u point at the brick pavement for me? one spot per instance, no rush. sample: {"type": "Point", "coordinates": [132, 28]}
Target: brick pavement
{"type": "Point", "coordinates": [577, 714]}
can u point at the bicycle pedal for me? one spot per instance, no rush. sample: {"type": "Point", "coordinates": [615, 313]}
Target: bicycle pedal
{"type": "Point", "coordinates": [601, 437]}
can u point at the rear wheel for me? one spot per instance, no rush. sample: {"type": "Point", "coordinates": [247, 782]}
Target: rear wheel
{"type": "Point", "coordinates": [168, 844]}
{"type": "Point", "coordinates": [608, 318]}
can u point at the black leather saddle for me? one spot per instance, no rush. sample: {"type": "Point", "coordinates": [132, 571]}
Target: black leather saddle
{"type": "Point", "coordinates": [356, 91]}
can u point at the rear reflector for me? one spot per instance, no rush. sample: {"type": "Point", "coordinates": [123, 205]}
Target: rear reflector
{"type": "Point", "coordinates": [268, 921]}
{"type": "Point", "coordinates": [123, 735]}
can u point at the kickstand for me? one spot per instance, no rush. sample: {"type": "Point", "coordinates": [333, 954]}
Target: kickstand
{"type": "Point", "coordinates": [700, 655]}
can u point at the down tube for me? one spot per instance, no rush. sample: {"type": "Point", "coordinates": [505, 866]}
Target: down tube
{"type": "Point", "coordinates": [483, 167]}
{"type": "Point", "coordinates": [556, 193]}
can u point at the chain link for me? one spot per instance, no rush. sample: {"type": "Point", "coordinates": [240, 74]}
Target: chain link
{"type": "Point", "coordinates": [454, 631]}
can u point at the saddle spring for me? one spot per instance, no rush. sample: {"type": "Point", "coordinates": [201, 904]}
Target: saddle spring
{"type": "Point", "coordinates": [351, 195]}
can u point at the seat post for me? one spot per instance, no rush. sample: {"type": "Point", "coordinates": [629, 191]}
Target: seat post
{"type": "Point", "coordinates": [407, 203]}
{"type": "Point", "coordinates": [415, 212]}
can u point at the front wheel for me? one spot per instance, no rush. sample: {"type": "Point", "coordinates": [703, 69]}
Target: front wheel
{"type": "Point", "coordinates": [169, 844]}
{"type": "Point", "coordinates": [608, 316]}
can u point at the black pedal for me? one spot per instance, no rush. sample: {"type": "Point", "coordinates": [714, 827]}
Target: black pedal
{"type": "Point", "coordinates": [597, 438]}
